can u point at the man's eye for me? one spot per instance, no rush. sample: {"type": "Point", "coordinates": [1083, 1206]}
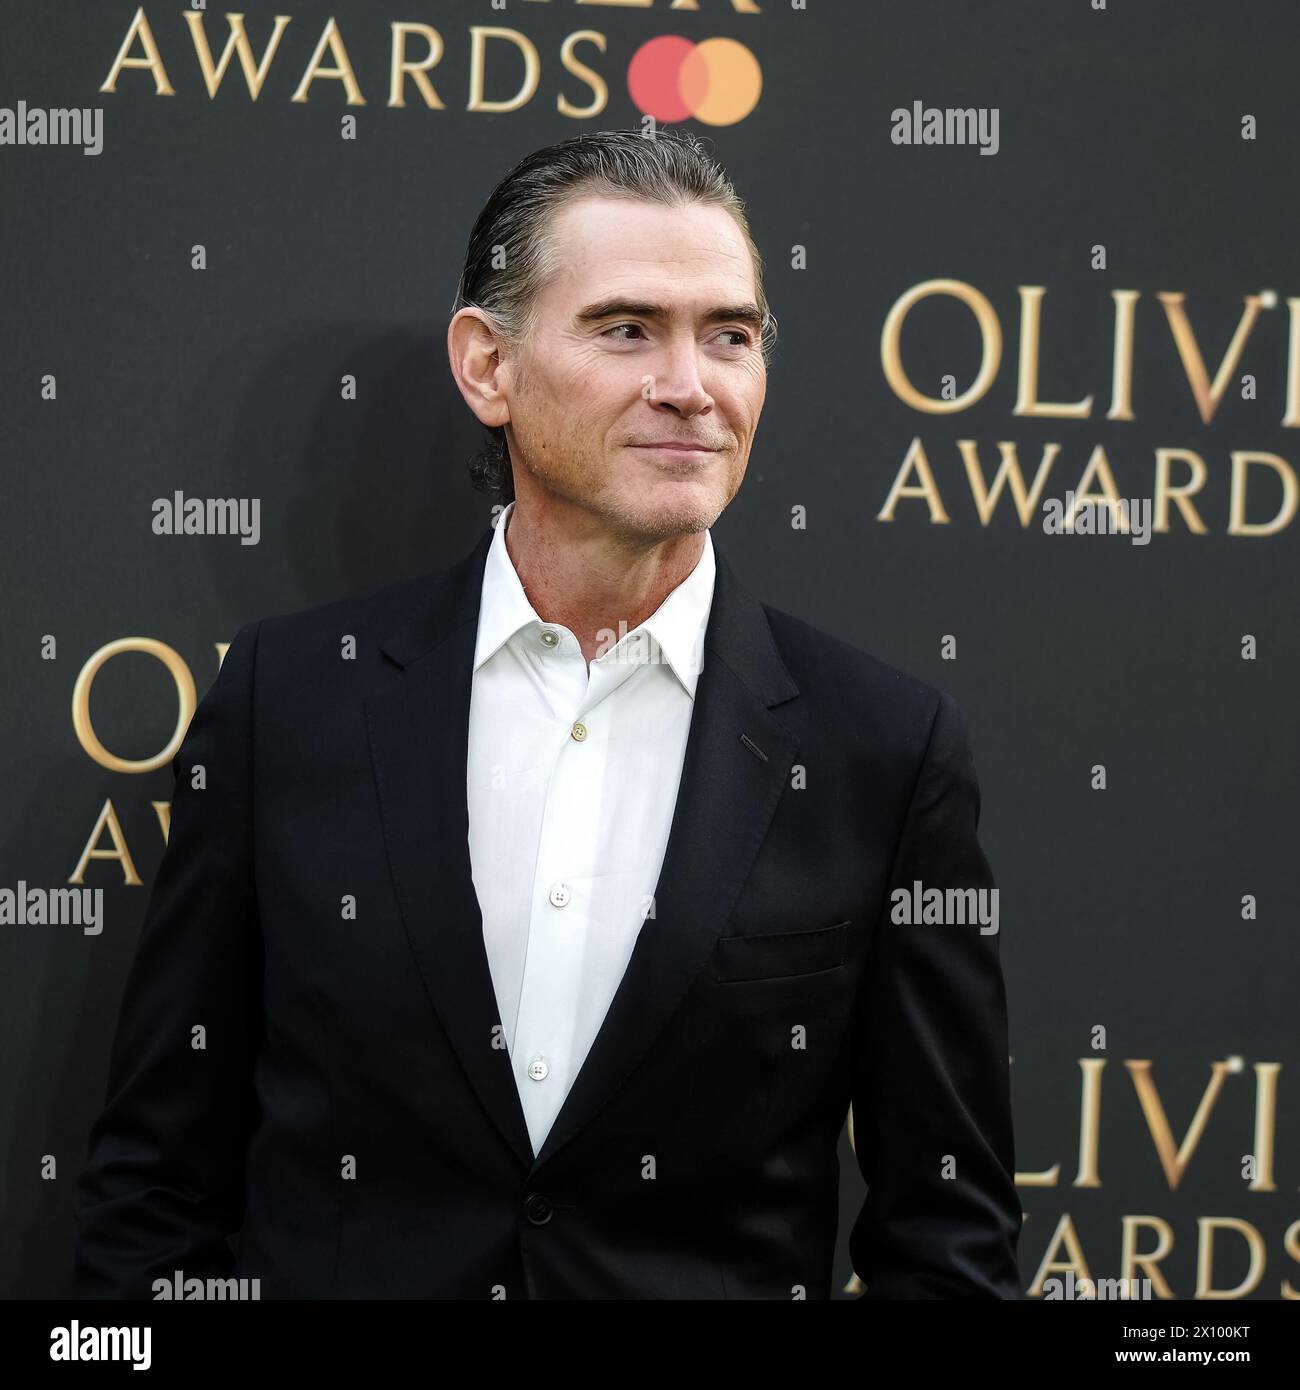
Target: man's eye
{"type": "Point", "coordinates": [741, 334]}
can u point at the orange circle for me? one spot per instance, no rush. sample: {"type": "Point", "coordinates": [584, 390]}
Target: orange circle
{"type": "Point", "coordinates": [733, 84]}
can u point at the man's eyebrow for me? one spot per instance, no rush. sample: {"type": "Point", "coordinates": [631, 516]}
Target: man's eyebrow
{"type": "Point", "coordinates": [644, 309]}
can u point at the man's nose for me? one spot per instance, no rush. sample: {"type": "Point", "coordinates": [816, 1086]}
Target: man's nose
{"type": "Point", "coordinates": [678, 382]}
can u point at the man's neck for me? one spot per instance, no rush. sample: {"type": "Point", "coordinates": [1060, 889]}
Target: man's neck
{"type": "Point", "coordinates": [598, 584]}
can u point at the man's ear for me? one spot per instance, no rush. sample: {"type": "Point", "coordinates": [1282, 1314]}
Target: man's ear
{"type": "Point", "coordinates": [473, 351]}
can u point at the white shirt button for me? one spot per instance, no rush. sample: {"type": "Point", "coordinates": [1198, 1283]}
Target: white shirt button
{"type": "Point", "coordinates": [550, 638]}
{"type": "Point", "coordinates": [578, 732]}
{"type": "Point", "coordinates": [560, 894]}
{"type": "Point", "coordinates": [538, 1069]}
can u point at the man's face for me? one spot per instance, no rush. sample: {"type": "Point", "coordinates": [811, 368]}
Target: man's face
{"type": "Point", "coordinates": [641, 341]}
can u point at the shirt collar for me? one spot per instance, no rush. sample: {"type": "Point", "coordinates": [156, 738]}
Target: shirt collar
{"type": "Point", "coordinates": [676, 627]}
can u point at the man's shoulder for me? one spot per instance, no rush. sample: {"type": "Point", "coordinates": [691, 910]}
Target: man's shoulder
{"type": "Point", "coordinates": [821, 657]}
{"type": "Point", "coordinates": [863, 698]}
{"type": "Point", "coordinates": [296, 647]}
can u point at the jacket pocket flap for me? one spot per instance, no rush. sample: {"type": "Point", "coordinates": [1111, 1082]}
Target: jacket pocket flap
{"type": "Point", "coordinates": [777, 954]}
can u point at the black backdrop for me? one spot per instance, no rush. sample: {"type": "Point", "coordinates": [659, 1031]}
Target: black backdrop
{"type": "Point", "coordinates": [1122, 909]}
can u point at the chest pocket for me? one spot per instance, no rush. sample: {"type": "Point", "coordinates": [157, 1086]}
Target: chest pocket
{"type": "Point", "coordinates": [779, 955]}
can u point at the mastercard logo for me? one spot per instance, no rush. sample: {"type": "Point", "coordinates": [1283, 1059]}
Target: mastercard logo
{"type": "Point", "coordinates": [718, 81]}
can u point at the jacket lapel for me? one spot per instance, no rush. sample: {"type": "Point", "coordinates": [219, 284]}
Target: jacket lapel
{"type": "Point", "coordinates": [737, 763]}
{"type": "Point", "coordinates": [418, 719]}
{"type": "Point", "coordinates": [738, 759]}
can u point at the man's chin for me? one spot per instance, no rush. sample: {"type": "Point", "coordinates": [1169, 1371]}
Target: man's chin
{"type": "Point", "coordinates": [674, 509]}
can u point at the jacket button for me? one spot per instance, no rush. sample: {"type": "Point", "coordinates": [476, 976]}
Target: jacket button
{"type": "Point", "coordinates": [538, 1209]}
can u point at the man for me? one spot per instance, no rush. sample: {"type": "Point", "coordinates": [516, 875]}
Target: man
{"type": "Point", "coordinates": [532, 932]}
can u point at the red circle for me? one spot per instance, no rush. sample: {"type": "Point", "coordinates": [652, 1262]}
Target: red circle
{"type": "Point", "coordinates": [654, 77]}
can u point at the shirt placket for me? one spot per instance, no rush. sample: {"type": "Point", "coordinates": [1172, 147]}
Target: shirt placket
{"type": "Point", "coordinates": [560, 909]}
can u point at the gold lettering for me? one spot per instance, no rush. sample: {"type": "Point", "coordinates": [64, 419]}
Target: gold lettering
{"type": "Point", "coordinates": [186, 702]}
{"type": "Point", "coordinates": [152, 59]}
{"type": "Point", "coordinates": [1165, 491]}
{"type": "Point", "coordinates": [1027, 402]}
{"type": "Point", "coordinates": [342, 71]}
{"type": "Point", "coordinates": [1066, 1235]}
{"type": "Point", "coordinates": [1207, 1227]}
{"type": "Point", "coordinates": [1098, 467]}
{"type": "Point", "coordinates": [1089, 1121]}
{"type": "Point", "coordinates": [417, 72]}
{"type": "Point", "coordinates": [926, 488]}
{"type": "Point", "coordinates": [1265, 1125]}
{"type": "Point", "coordinates": [990, 336]}
{"type": "Point", "coordinates": [739, 6]}
{"type": "Point", "coordinates": [1237, 523]}
{"type": "Point", "coordinates": [1121, 384]}
{"type": "Point", "coordinates": [1291, 1244]}
{"type": "Point", "coordinates": [593, 79]}
{"type": "Point", "coordinates": [479, 35]}
{"type": "Point", "coordinates": [1292, 417]}
{"type": "Point", "coordinates": [1207, 396]}
{"type": "Point", "coordinates": [1174, 1164]}
{"type": "Point", "coordinates": [107, 821]}
{"type": "Point", "coordinates": [237, 42]}
{"type": "Point", "coordinates": [986, 499]}
{"type": "Point", "coordinates": [1130, 1261]}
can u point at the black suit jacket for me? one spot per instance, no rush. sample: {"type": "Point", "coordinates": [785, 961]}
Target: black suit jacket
{"type": "Point", "coordinates": [347, 1112]}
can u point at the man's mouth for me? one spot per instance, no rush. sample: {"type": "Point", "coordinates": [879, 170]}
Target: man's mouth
{"type": "Point", "coordinates": [673, 446]}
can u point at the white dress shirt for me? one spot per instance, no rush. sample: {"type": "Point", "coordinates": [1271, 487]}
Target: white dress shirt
{"type": "Point", "coordinates": [572, 780]}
